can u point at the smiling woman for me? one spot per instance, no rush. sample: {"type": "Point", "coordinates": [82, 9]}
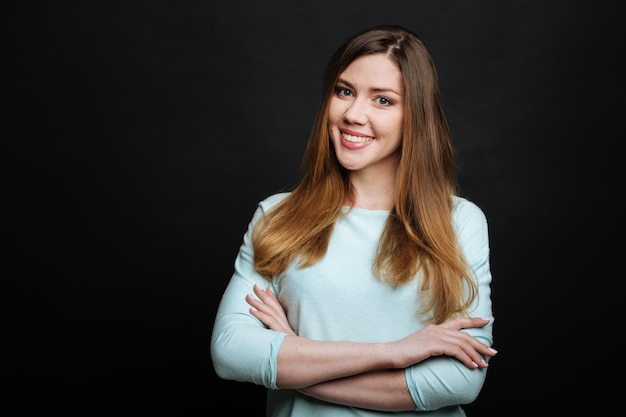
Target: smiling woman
{"type": "Point", "coordinates": [365, 289]}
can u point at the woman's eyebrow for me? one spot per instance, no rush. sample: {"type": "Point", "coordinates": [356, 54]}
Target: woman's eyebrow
{"type": "Point", "coordinates": [373, 89]}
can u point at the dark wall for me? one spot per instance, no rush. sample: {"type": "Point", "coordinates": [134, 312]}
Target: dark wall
{"type": "Point", "coordinates": [139, 137]}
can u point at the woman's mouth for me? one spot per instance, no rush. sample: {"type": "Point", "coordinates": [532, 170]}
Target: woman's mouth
{"type": "Point", "coordinates": [357, 139]}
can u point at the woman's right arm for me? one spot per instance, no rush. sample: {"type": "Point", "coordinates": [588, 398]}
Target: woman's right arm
{"type": "Point", "coordinates": [243, 348]}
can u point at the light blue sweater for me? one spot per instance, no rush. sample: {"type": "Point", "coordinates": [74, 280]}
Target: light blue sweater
{"type": "Point", "coordinates": [340, 299]}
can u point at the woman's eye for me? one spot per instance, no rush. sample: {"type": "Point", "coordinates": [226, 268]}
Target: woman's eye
{"type": "Point", "coordinates": [383, 101]}
{"type": "Point", "coordinates": [342, 91]}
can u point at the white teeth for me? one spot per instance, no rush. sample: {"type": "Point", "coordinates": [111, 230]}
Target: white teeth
{"type": "Point", "coordinates": [361, 139]}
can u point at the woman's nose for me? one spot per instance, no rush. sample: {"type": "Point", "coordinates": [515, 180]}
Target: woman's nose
{"type": "Point", "coordinates": [356, 112]}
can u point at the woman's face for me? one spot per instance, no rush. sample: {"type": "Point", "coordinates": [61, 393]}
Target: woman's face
{"type": "Point", "coordinates": [366, 113]}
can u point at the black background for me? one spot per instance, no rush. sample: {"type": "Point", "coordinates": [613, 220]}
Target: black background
{"type": "Point", "coordinates": [138, 137]}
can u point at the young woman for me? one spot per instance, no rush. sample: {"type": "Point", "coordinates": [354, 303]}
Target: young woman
{"type": "Point", "coordinates": [366, 289]}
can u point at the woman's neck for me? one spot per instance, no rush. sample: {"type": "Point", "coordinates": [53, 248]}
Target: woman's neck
{"type": "Point", "coordinates": [373, 190]}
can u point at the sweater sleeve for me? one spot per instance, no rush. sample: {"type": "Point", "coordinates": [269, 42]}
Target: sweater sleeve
{"type": "Point", "coordinates": [242, 348]}
{"type": "Point", "coordinates": [441, 381]}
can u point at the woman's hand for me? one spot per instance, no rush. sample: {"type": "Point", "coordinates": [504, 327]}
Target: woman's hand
{"type": "Point", "coordinates": [268, 309]}
{"type": "Point", "coordinates": [444, 339]}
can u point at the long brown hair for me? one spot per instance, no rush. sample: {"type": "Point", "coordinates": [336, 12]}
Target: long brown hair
{"type": "Point", "coordinates": [419, 235]}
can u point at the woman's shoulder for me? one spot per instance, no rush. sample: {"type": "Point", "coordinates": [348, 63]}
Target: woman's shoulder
{"type": "Point", "coordinates": [273, 199]}
{"type": "Point", "coordinates": [466, 210]}
{"type": "Point", "coordinates": [471, 226]}
{"type": "Point", "coordinates": [266, 204]}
